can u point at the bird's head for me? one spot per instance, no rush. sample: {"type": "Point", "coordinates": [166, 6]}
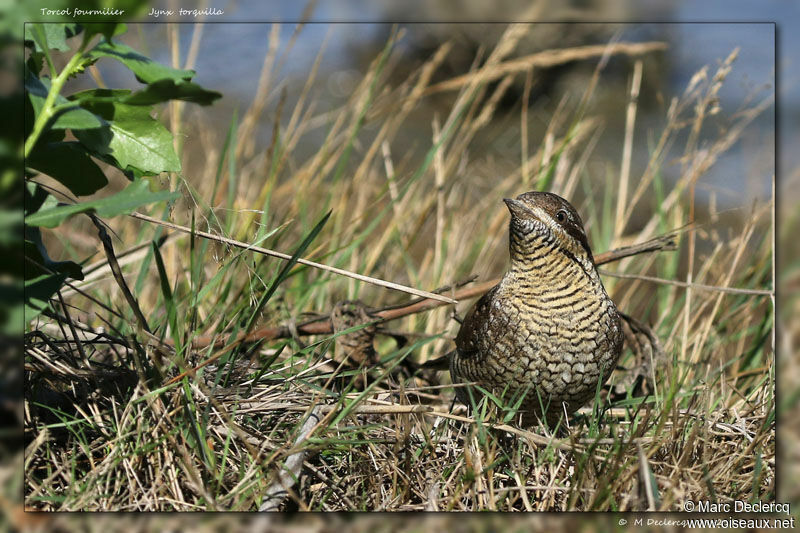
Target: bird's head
{"type": "Point", "coordinates": [540, 219]}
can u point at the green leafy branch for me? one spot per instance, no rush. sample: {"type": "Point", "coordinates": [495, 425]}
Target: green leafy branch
{"type": "Point", "coordinates": [49, 109]}
{"type": "Point", "coordinates": [115, 126]}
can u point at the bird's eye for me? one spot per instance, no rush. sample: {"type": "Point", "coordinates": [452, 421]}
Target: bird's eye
{"type": "Point", "coordinates": [561, 216]}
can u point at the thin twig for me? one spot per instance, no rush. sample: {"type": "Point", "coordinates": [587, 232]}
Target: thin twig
{"type": "Point", "coordinates": [281, 255]}
{"type": "Point", "coordinates": [665, 242]}
{"type": "Point", "coordinates": [730, 290]}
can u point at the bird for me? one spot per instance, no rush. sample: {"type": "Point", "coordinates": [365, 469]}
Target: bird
{"type": "Point", "coordinates": [548, 330]}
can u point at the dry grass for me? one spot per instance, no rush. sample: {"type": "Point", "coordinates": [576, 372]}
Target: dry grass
{"type": "Point", "coordinates": [109, 426]}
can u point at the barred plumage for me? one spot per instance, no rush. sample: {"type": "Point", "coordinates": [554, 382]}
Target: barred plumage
{"type": "Point", "coordinates": [549, 327]}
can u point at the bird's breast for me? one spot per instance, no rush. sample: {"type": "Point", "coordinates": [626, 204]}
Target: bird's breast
{"type": "Point", "coordinates": [566, 330]}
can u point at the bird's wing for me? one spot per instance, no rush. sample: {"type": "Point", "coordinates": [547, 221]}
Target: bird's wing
{"type": "Point", "coordinates": [467, 340]}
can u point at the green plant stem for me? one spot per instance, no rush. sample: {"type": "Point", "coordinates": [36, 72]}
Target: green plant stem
{"type": "Point", "coordinates": [49, 108]}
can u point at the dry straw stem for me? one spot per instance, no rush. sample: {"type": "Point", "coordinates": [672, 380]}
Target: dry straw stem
{"type": "Point", "coordinates": [548, 58]}
{"type": "Point", "coordinates": [273, 253]}
{"type": "Point", "coordinates": [627, 150]}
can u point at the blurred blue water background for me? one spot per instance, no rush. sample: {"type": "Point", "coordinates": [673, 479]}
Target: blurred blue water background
{"type": "Point", "coordinates": [231, 54]}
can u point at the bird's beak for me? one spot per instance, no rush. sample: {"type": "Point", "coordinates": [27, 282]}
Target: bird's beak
{"type": "Point", "coordinates": [517, 208]}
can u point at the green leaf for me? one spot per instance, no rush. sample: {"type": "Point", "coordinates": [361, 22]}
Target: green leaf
{"type": "Point", "coordinates": [99, 95]}
{"type": "Point", "coordinates": [153, 93]}
{"type": "Point", "coordinates": [35, 62]}
{"type": "Point", "coordinates": [50, 35]}
{"type": "Point", "coordinates": [36, 198]}
{"type": "Point", "coordinates": [168, 89]}
{"type": "Point", "coordinates": [108, 29]}
{"type": "Point", "coordinates": [125, 201]}
{"type": "Point", "coordinates": [27, 119]}
{"type": "Point", "coordinates": [68, 163]}
{"type": "Point", "coordinates": [128, 9]}
{"type": "Point", "coordinates": [132, 137]}
{"type": "Point", "coordinates": [130, 172]}
{"type": "Point", "coordinates": [169, 301]}
{"type": "Point", "coordinates": [68, 114]}
{"type": "Point", "coordinates": [38, 292]}
{"type": "Point", "coordinates": [145, 69]}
